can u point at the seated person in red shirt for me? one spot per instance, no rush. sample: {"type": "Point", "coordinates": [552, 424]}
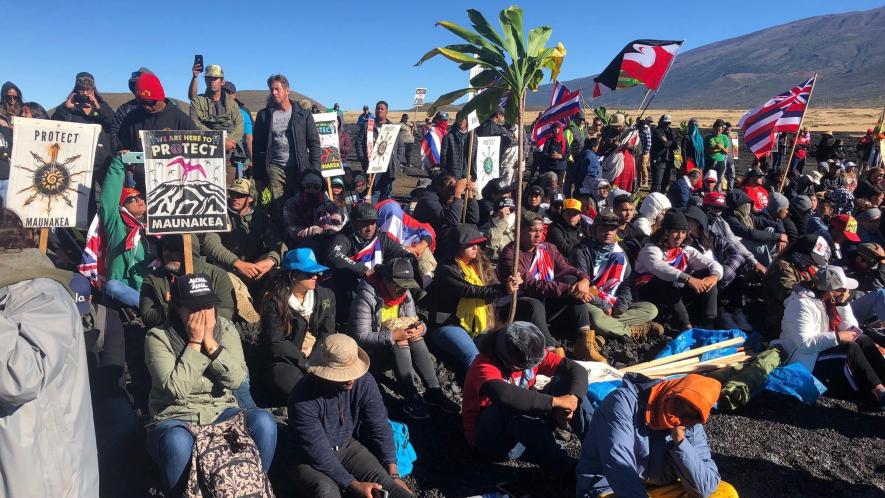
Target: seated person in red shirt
{"type": "Point", "coordinates": [558, 291]}
{"type": "Point", "coordinates": [505, 417]}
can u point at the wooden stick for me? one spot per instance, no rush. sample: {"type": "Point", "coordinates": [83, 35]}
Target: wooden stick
{"type": "Point", "coordinates": [687, 361]}
{"type": "Point", "coordinates": [44, 240]}
{"type": "Point", "coordinates": [329, 185]}
{"type": "Point", "coordinates": [469, 164]}
{"type": "Point", "coordinates": [188, 253]}
{"type": "Point", "coordinates": [369, 190]}
{"type": "Point", "coordinates": [786, 169]}
{"type": "Point", "coordinates": [722, 360]}
{"type": "Point", "coordinates": [685, 354]}
{"type": "Point", "coordinates": [520, 166]}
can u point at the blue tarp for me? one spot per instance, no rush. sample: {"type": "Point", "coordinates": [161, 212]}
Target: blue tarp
{"type": "Point", "coordinates": [696, 338]}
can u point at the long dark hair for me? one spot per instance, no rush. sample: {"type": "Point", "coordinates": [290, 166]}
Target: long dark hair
{"type": "Point", "coordinates": [277, 297]}
{"type": "Point", "coordinates": [659, 238]}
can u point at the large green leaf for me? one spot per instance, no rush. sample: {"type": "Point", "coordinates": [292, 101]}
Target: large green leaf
{"type": "Point", "coordinates": [470, 36]}
{"type": "Point", "coordinates": [452, 55]}
{"type": "Point", "coordinates": [488, 56]}
{"type": "Point", "coordinates": [484, 104]}
{"type": "Point", "coordinates": [538, 38]}
{"type": "Point", "coordinates": [482, 26]}
{"type": "Point", "coordinates": [484, 78]}
{"type": "Point", "coordinates": [512, 34]}
{"type": "Point", "coordinates": [447, 99]}
{"type": "Point", "coordinates": [511, 109]}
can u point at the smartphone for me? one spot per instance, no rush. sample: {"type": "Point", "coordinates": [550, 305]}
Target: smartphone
{"type": "Point", "coordinates": [198, 61]}
{"type": "Point", "coordinates": [379, 493]}
{"type": "Point", "coordinates": [133, 158]}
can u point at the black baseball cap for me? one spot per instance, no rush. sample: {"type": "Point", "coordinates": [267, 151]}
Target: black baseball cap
{"type": "Point", "coordinates": [194, 291]}
{"type": "Point", "coordinates": [364, 212]}
{"type": "Point", "coordinates": [399, 271]}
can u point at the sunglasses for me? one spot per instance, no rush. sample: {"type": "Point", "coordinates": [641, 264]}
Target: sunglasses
{"type": "Point", "coordinates": [149, 103]}
{"type": "Point", "coordinates": [131, 198]}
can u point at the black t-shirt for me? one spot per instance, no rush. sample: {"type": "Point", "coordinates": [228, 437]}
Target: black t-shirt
{"type": "Point", "coordinates": [5, 151]}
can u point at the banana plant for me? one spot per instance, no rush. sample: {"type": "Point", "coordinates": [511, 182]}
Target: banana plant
{"type": "Point", "coordinates": [511, 64]}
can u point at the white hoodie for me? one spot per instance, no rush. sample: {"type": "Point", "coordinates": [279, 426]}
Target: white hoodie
{"type": "Point", "coordinates": [654, 204]}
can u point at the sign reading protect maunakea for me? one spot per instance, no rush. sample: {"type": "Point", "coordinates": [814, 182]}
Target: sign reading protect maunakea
{"type": "Point", "coordinates": [185, 181]}
{"type": "Point", "coordinates": [50, 173]}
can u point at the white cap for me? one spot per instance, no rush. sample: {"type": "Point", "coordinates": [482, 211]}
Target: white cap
{"type": "Point", "coordinates": [815, 177]}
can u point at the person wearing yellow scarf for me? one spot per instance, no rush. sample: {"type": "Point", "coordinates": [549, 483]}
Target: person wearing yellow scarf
{"type": "Point", "coordinates": [461, 299]}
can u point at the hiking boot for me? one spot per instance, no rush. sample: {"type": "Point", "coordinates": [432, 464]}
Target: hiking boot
{"type": "Point", "coordinates": [436, 397]}
{"type": "Point", "coordinates": [586, 348]}
{"type": "Point", "coordinates": [648, 329]}
{"type": "Point", "coordinates": [414, 408]}
{"type": "Point", "coordinates": [560, 351]}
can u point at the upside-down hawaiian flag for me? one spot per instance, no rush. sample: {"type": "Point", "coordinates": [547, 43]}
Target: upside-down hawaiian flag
{"type": "Point", "coordinates": [92, 264]}
{"type": "Point", "coordinates": [431, 145]}
{"type": "Point", "coordinates": [401, 227]}
{"type": "Point", "coordinates": [641, 61]}
{"type": "Point", "coordinates": [782, 114]}
{"type": "Point", "coordinates": [563, 105]}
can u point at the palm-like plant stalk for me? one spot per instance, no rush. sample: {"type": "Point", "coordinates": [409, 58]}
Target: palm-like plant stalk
{"type": "Point", "coordinates": [512, 64]}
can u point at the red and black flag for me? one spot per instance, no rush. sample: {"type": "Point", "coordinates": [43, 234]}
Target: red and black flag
{"type": "Point", "coordinates": [641, 61]}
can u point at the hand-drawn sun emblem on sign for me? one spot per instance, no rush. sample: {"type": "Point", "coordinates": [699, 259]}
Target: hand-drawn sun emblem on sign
{"type": "Point", "coordinates": [487, 163]}
{"type": "Point", "coordinates": [382, 147]}
{"type": "Point", "coordinates": [52, 179]}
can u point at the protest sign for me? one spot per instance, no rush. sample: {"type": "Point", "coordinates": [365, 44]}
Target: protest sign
{"type": "Point", "coordinates": [370, 137]}
{"type": "Point", "coordinates": [472, 121]}
{"type": "Point", "coordinates": [488, 162]}
{"type": "Point", "coordinates": [383, 148]}
{"type": "Point", "coordinates": [420, 94]}
{"type": "Point", "coordinates": [50, 174]}
{"type": "Point", "coordinates": [330, 154]}
{"type": "Point", "coordinates": [185, 181]}
{"type": "Point", "coordinates": [735, 145]}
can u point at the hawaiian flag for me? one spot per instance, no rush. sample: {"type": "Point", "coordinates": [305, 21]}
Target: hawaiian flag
{"type": "Point", "coordinates": [563, 105]}
{"type": "Point", "coordinates": [640, 62]}
{"type": "Point", "coordinates": [370, 255]}
{"type": "Point", "coordinates": [782, 114]}
{"type": "Point", "coordinates": [542, 265]}
{"type": "Point", "coordinates": [610, 274]}
{"type": "Point", "coordinates": [92, 264]}
{"type": "Point", "coordinates": [674, 257]}
{"type": "Point", "coordinates": [431, 145]}
{"type": "Point", "coordinates": [400, 226]}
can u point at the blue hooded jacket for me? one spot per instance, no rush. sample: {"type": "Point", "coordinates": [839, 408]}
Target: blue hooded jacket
{"type": "Point", "coordinates": [621, 455]}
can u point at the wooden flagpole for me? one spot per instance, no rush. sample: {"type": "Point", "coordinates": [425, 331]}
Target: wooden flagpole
{"type": "Point", "coordinates": [371, 183]}
{"type": "Point", "coordinates": [786, 169]}
{"type": "Point", "coordinates": [470, 137]}
{"type": "Point", "coordinates": [188, 253]}
{"type": "Point", "coordinates": [44, 240]}
{"type": "Point", "coordinates": [647, 91]}
{"type": "Point", "coordinates": [520, 166]}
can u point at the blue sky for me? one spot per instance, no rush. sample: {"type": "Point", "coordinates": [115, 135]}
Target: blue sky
{"type": "Point", "coordinates": [354, 53]}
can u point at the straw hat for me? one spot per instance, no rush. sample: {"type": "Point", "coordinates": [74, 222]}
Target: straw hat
{"type": "Point", "coordinates": [339, 359]}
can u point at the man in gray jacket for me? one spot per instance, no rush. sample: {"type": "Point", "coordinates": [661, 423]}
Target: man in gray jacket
{"type": "Point", "coordinates": [45, 379]}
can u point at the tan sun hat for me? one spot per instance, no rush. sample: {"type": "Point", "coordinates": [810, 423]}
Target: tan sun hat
{"type": "Point", "coordinates": [338, 359]}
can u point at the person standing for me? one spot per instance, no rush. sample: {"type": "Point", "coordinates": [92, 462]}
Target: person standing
{"type": "Point", "coordinates": [286, 143]}
{"type": "Point", "coordinates": [663, 144]}
{"type": "Point", "coordinates": [47, 436]}
{"type": "Point", "coordinates": [407, 136]}
{"type": "Point", "coordinates": [10, 103]}
{"type": "Point", "coordinates": [383, 186]}
{"type": "Point", "coordinates": [125, 108]}
{"type": "Point", "coordinates": [218, 111]}
{"type": "Point", "coordinates": [453, 157]}
{"type": "Point", "coordinates": [716, 148]}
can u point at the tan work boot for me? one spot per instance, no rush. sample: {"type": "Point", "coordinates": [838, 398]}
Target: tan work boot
{"type": "Point", "coordinates": [560, 351]}
{"type": "Point", "coordinates": [586, 347]}
{"type": "Point", "coordinates": [648, 329]}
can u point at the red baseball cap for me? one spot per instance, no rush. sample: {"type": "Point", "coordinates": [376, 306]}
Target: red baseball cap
{"type": "Point", "coordinates": [846, 224]}
{"type": "Point", "coordinates": [128, 192]}
{"type": "Point", "coordinates": [714, 199]}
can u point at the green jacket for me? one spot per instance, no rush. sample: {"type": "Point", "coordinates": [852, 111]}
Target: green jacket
{"type": "Point", "coordinates": [575, 135]}
{"type": "Point", "coordinates": [203, 114]}
{"type": "Point", "coordinates": [190, 386]}
{"type": "Point", "coordinates": [128, 266]}
{"type": "Point", "coordinates": [154, 302]}
{"type": "Point", "coordinates": [712, 141]}
{"type": "Point", "coordinates": [251, 238]}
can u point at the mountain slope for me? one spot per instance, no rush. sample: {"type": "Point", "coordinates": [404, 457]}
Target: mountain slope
{"type": "Point", "coordinates": [846, 50]}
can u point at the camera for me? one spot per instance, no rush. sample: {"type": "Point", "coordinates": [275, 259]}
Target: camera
{"type": "Point", "coordinates": [81, 100]}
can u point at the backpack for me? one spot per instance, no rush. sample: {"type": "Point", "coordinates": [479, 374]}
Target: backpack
{"type": "Point", "coordinates": [225, 462]}
{"type": "Point", "coordinates": [405, 453]}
